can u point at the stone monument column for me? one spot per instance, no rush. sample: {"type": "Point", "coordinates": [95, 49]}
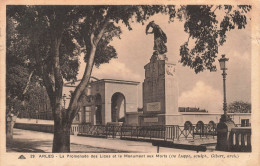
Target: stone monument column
{"type": "Point", "coordinates": [160, 86]}
{"type": "Point", "coordinates": [160, 93]}
{"type": "Point", "coordinates": [172, 115]}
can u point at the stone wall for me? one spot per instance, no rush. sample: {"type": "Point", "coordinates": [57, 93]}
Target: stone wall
{"type": "Point", "coordinates": [207, 117]}
{"type": "Point", "coordinates": [48, 128]}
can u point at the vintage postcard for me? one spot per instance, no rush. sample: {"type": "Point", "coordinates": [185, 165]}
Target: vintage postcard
{"type": "Point", "coordinates": [129, 83]}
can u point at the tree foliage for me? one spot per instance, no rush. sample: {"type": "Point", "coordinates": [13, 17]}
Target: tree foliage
{"type": "Point", "coordinates": [208, 32]}
{"type": "Point", "coordinates": [239, 107]}
{"type": "Point", "coordinates": [17, 70]}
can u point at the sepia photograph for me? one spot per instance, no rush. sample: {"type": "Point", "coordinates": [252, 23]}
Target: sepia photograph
{"type": "Point", "coordinates": [172, 80]}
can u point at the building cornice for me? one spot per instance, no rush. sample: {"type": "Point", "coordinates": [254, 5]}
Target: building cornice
{"type": "Point", "coordinates": [116, 81]}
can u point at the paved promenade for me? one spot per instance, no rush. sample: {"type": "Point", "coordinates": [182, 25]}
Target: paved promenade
{"type": "Point", "coordinates": [32, 141]}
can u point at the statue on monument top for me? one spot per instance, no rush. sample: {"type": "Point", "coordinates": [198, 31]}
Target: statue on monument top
{"type": "Point", "coordinates": [160, 39]}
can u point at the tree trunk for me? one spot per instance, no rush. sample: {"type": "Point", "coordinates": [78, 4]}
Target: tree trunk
{"type": "Point", "coordinates": [61, 139]}
{"type": "Point", "coordinates": [73, 106]}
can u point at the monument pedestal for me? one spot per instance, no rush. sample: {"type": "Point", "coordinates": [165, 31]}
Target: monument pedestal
{"type": "Point", "coordinates": [160, 94]}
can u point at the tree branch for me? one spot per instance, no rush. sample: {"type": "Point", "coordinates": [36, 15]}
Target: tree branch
{"type": "Point", "coordinates": [46, 79]}
{"type": "Point", "coordinates": [188, 39]}
{"type": "Point", "coordinates": [92, 36]}
{"type": "Point", "coordinates": [218, 6]}
{"type": "Point", "coordinates": [100, 34]}
{"type": "Point", "coordinates": [56, 64]}
{"type": "Point", "coordinates": [56, 37]}
{"type": "Point", "coordinates": [73, 106]}
{"type": "Point", "coordinates": [28, 82]}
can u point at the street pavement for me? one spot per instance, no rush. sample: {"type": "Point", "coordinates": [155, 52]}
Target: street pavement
{"type": "Point", "coordinates": [33, 141]}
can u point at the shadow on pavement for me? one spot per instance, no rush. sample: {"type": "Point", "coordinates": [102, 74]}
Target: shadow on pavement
{"type": "Point", "coordinates": [77, 148]}
{"type": "Point", "coordinates": [26, 145]}
{"type": "Point", "coordinates": [34, 146]}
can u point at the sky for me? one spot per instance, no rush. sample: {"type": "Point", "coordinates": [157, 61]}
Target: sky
{"type": "Point", "coordinates": [203, 90]}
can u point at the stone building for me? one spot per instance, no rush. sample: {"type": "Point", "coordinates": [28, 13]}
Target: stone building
{"type": "Point", "coordinates": [109, 100]}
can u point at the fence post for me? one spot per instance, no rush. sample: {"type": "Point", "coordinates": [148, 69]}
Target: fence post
{"type": "Point", "coordinates": [193, 127]}
{"type": "Point", "coordinates": [242, 139]}
{"type": "Point", "coordinates": [150, 130]}
{"type": "Point", "coordinates": [205, 131]}
{"type": "Point", "coordinates": [200, 130]}
{"type": "Point", "coordinates": [165, 132]}
{"type": "Point", "coordinates": [214, 131]}
{"type": "Point", "coordinates": [106, 130]}
{"type": "Point", "coordinates": [137, 131]}
{"type": "Point", "coordinates": [177, 132]}
{"type": "Point", "coordinates": [249, 140]}
{"type": "Point", "coordinates": [185, 132]}
{"type": "Point", "coordinates": [172, 132]}
{"type": "Point", "coordinates": [131, 131]}
{"type": "Point", "coordinates": [121, 128]}
{"type": "Point", "coordinates": [113, 129]}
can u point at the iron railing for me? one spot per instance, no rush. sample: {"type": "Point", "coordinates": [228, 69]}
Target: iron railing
{"type": "Point", "coordinates": [167, 132]}
{"type": "Point", "coordinates": [148, 132]}
{"type": "Point", "coordinates": [92, 130]}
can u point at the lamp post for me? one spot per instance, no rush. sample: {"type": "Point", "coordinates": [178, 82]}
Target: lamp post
{"type": "Point", "coordinates": [222, 62]}
{"type": "Point", "coordinates": [225, 123]}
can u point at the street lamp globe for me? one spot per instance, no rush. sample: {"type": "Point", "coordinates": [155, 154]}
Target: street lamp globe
{"type": "Point", "coordinates": [222, 62]}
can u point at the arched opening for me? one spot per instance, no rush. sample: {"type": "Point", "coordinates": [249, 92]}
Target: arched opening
{"type": "Point", "coordinates": [118, 106]}
{"type": "Point", "coordinates": [200, 127]}
{"type": "Point", "coordinates": [212, 125]}
{"type": "Point", "coordinates": [187, 125]}
{"type": "Point", "coordinates": [98, 103]}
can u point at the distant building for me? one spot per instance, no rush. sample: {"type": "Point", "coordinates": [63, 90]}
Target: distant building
{"type": "Point", "coordinates": [191, 109]}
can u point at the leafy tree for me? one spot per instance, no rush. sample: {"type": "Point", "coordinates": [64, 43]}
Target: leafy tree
{"type": "Point", "coordinates": [18, 75]}
{"type": "Point", "coordinates": [58, 34]}
{"type": "Point", "coordinates": [22, 83]}
{"type": "Point", "coordinates": [54, 54]}
{"type": "Point", "coordinates": [36, 103]}
{"type": "Point", "coordinates": [208, 33]}
{"type": "Point", "coordinates": [239, 107]}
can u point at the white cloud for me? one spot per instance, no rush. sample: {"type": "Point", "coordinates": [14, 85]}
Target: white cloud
{"type": "Point", "coordinates": [202, 96]}
{"type": "Point", "coordinates": [112, 70]}
{"type": "Point", "coordinates": [240, 57]}
{"type": "Point", "coordinates": [115, 70]}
